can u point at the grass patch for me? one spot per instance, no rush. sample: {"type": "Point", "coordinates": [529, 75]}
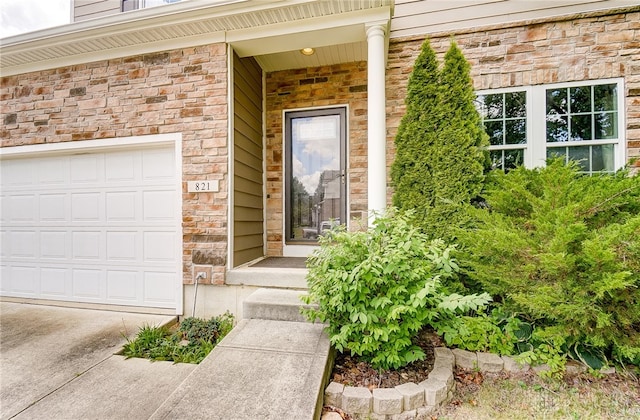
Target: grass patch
{"type": "Point", "coordinates": [529, 396]}
{"type": "Point", "coordinates": [190, 342]}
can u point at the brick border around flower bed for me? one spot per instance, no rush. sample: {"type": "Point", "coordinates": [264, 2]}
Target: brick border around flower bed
{"type": "Point", "coordinates": [412, 401]}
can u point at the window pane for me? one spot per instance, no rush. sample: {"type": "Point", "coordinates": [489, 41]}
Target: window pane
{"type": "Point", "coordinates": [602, 158]}
{"type": "Point", "coordinates": [581, 127]}
{"type": "Point", "coordinates": [516, 131]}
{"type": "Point", "coordinates": [580, 99]}
{"type": "Point", "coordinates": [495, 131]}
{"type": "Point", "coordinates": [557, 128]}
{"type": "Point", "coordinates": [557, 152]}
{"type": "Point", "coordinates": [580, 154]}
{"type": "Point", "coordinates": [496, 159]}
{"type": "Point", "coordinates": [557, 101]}
{"type": "Point", "coordinates": [605, 97]}
{"type": "Point", "coordinates": [493, 106]}
{"type": "Point", "coordinates": [513, 158]}
{"type": "Point", "coordinates": [606, 125]}
{"type": "Point", "coordinates": [515, 104]}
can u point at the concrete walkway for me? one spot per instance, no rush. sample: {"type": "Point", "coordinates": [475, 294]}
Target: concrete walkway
{"type": "Point", "coordinates": [59, 363]}
{"type": "Point", "coordinates": [264, 369]}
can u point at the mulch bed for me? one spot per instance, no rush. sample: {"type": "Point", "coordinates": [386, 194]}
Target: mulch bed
{"type": "Point", "coordinates": [352, 371]}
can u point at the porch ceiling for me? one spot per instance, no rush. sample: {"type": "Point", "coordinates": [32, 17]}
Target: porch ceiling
{"type": "Point", "coordinates": [273, 31]}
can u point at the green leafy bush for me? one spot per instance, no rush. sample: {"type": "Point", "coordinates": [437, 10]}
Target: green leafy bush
{"type": "Point", "coordinates": [563, 249]}
{"type": "Point", "coordinates": [377, 289]}
{"type": "Point", "coordinates": [440, 145]}
{"type": "Point", "coordinates": [190, 343]}
{"type": "Point", "coordinates": [495, 332]}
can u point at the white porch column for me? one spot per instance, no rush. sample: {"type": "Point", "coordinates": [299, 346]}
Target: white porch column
{"type": "Point", "coordinates": [377, 131]}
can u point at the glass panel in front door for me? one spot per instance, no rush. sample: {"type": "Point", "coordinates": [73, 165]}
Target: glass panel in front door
{"type": "Point", "coordinates": [316, 177]}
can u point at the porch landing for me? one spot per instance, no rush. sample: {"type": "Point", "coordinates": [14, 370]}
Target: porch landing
{"type": "Point", "coordinates": [264, 369]}
{"type": "Point", "coordinates": [273, 272]}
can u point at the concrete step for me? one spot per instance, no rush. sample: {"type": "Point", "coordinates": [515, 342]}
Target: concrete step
{"type": "Point", "coordinates": [274, 304]}
{"type": "Point", "coordinates": [282, 277]}
{"type": "Point", "coordinates": [264, 369]}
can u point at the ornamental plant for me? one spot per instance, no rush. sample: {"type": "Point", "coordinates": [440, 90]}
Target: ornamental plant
{"type": "Point", "coordinates": [190, 343]}
{"type": "Point", "coordinates": [563, 250]}
{"type": "Point", "coordinates": [440, 145]}
{"type": "Point", "coordinates": [377, 288]}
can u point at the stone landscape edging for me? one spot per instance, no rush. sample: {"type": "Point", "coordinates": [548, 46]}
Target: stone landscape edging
{"type": "Point", "coordinates": [416, 401]}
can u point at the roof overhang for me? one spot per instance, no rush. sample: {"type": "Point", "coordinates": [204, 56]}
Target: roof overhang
{"type": "Point", "coordinates": [273, 31]}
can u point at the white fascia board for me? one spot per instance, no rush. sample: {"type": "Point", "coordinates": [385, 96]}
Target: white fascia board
{"type": "Point", "coordinates": [314, 32]}
{"type": "Point", "coordinates": [181, 12]}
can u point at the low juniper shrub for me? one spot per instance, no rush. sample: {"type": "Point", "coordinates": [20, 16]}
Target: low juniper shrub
{"type": "Point", "coordinates": [563, 250]}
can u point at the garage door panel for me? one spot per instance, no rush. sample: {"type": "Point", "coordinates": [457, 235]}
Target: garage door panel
{"type": "Point", "coordinates": [123, 246]}
{"type": "Point", "coordinates": [121, 167]}
{"type": "Point", "coordinates": [85, 207]}
{"type": "Point", "coordinates": [158, 205]}
{"type": "Point", "coordinates": [18, 173]}
{"type": "Point", "coordinates": [4, 244]}
{"type": "Point", "coordinates": [27, 284]}
{"type": "Point", "coordinates": [87, 284]}
{"type": "Point", "coordinates": [159, 246]}
{"type": "Point", "coordinates": [5, 278]}
{"type": "Point", "coordinates": [4, 209]}
{"type": "Point", "coordinates": [98, 227]}
{"type": "Point", "coordinates": [53, 171]}
{"type": "Point", "coordinates": [123, 286]}
{"type": "Point", "coordinates": [86, 245]}
{"type": "Point", "coordinates": [158, 164]}
{"type": "Point", "coordinates": [158, 287]}
{"type": "Point", "coordinates": [23, 244]}
{"type": "Point", "coordinates": [22, 208]}
{"type": "Point", "coordinates": [122, 206]}
{"type": "Point", "coordinates": [53, 207]}
{"type": "Point", "coordinates": [86, 169]}
{"type": "Point", "coordinates": [54, 282]}
{"type": "Point", "coordinates": [53, 244]}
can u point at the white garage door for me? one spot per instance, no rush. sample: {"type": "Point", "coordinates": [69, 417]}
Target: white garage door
{"type": "Point", "coordinates": [92, 227]}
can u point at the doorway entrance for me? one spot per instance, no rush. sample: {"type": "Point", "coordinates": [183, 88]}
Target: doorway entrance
{"type": "Point", "coordinates": [315, 173]}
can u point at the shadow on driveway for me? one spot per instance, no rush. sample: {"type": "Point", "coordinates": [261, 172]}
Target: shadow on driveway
{"type": "Point", "coordinates": [59, 363]}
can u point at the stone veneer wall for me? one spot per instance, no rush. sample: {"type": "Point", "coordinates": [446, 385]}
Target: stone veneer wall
{"type": "Point", "coordinates": [341, 84]}
{"type": "Point", "coordinates": [180, 91]}
{"type": "Point", "coordinates": [573, 48]}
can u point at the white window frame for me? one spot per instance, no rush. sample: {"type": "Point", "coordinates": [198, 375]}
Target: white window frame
{"type": "Point", "coordinates": [535, 149]}
{"type": "Point", "coordinates": [527, 161]}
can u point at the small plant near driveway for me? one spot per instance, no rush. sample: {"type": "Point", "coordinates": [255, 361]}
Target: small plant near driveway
{"type": "Point", "coordinates": [191, 342]}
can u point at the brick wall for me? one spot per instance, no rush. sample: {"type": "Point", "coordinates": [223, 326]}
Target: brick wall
{"type": "Point", "coordinates": [577, 49]}
{"type": "Point", "coordinates": [182, 91]}
{"type": "Point", "coordinates": [316, 87]}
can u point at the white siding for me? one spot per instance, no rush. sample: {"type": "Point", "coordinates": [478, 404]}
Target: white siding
{"type": "Point", "coordinates": [416, 17]}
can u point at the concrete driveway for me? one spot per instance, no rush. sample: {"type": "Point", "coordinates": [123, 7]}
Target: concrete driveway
{"type": "Point", "coordinates": [59, 363]}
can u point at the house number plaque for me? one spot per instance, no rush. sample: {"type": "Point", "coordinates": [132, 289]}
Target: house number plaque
{"type": "Point", "coordinates": [202, 186]}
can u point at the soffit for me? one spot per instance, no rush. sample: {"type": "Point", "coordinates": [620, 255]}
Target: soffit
{"type": "Point", "coordinates": [252, 27]}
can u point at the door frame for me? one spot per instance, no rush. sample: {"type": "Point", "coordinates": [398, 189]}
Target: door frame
{"type": "Point", "coordinates": [303, 248]}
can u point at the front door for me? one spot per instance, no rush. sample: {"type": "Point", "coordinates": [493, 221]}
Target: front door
{"type": "Point", "coordinates": [315, 178]}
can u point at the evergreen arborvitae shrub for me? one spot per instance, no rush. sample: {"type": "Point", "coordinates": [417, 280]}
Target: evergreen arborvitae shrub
{"type": "Point", "coordinates": [440, 145]}
{"type": "Point", "coordinates": [563, 249]}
